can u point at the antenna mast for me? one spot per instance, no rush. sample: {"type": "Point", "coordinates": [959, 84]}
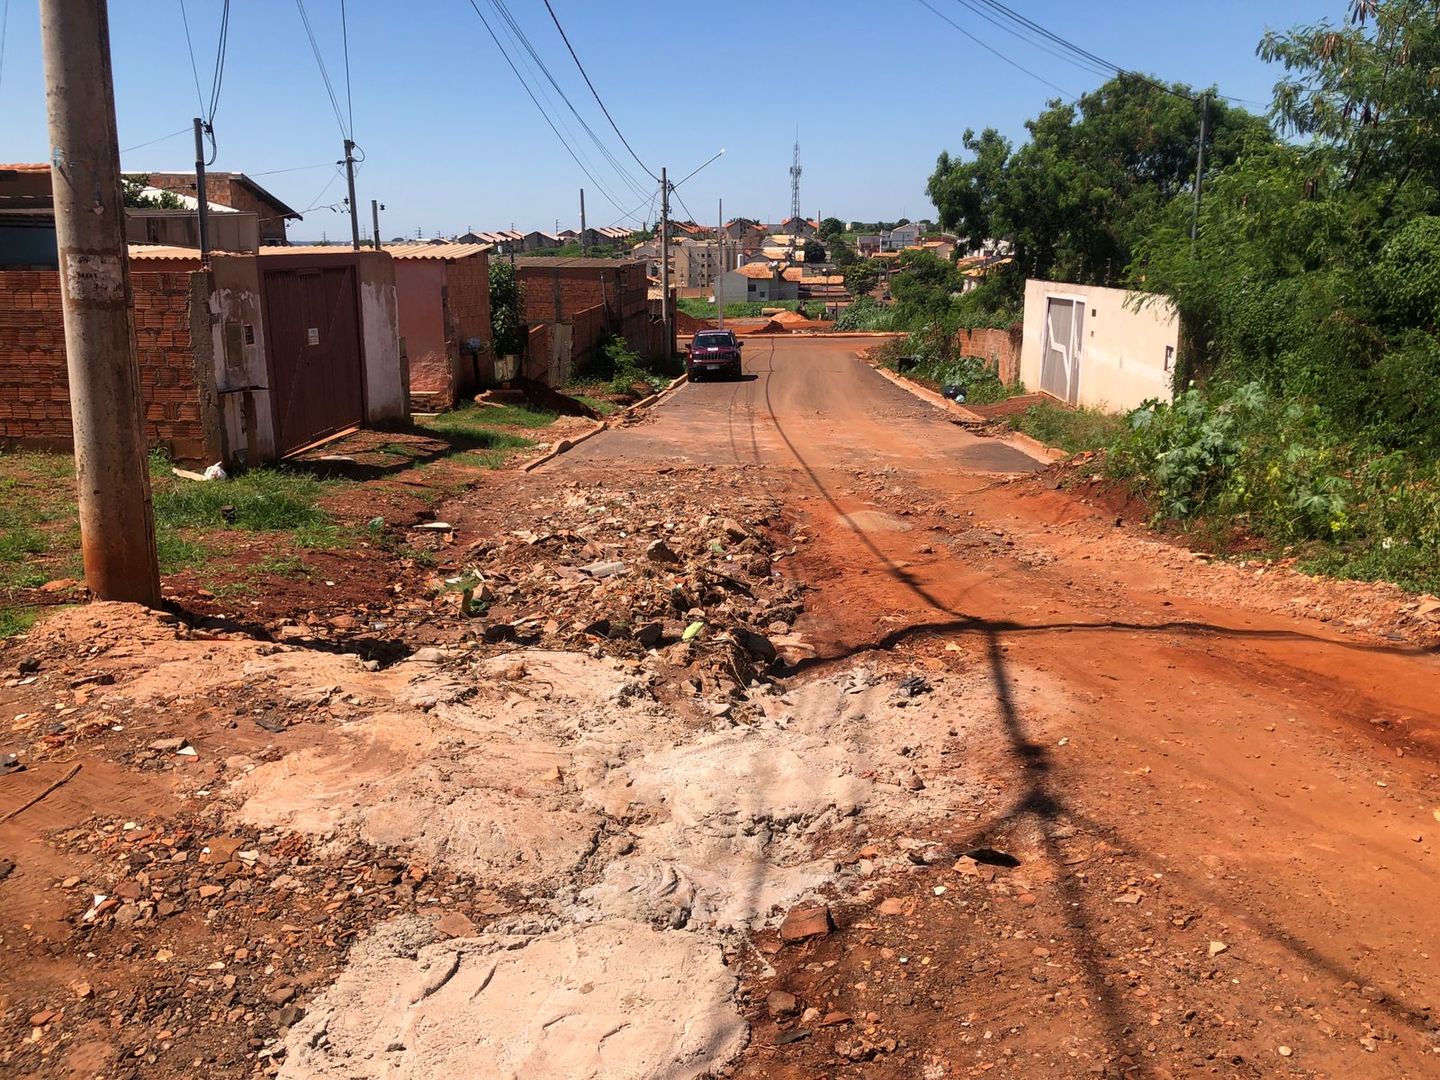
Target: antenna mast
{"type": "Point", "coordinates": [795, 196]}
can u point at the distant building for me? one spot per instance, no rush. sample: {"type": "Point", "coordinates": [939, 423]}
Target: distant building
{"type": "Point", "coordinates": [759, 282]}
{"type": "Point", "coordinates": [232, 189]}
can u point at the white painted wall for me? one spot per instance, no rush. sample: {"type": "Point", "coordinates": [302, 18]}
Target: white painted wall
{"type": "Point", "coordinates": [1123, 353]}
{"type": "Point", "coordinates": [386, 395]}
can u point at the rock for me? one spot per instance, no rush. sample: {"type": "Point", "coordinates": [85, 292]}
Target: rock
{"type": "Point", "coordinates": [780, 1003]}
{"type": "Point", "coordinates": [43, 1017]}
{"type": "Point", "coordinates": [1285, 1051]}
{"type": "Point", "coordinates": [82, 990]}
{"type": "Point", "coordinates": [1218, 947]}
{"type": "Point", "coordinates": [757, 644]}
{"type": "Point", "coordinates": [431, 655]}
{"type": "Point", "coordinates": [207, 891]}
{"type": "Point", "coordinates": [28, 666]}
{"type": "Point", "coordinates": [659, 551]}
{"type": "Point", "coordinates": [896, 905]}
{"type": "Point", "coordinates": [60, 585]}
{"type": "Point", "coordinates": [911, 781]}
{"type": "Point", "coordinates": [280, 995]}
{"type": "Point", "coordinates": [169, 746]}
{"type": "Point", "coordinates": [454, 924]}
{"type": "Point", "coordinates": [802, 923]}
{"type": "Point", "coordinates": [733, 530]}
{"type": "Point", "coordinates": [650, 634]}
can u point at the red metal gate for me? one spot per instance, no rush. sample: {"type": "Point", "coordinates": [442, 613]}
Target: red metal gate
{"type": "Point", "coordinates": [312, 334]}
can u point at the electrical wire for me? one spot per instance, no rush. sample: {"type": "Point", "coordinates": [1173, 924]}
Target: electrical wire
{"type": "Point", "coordinates": [296, 168]}
{"type": "Point", "coordinates": [4, 26]}
{"type": "Point", "coordinates": [540, 108]}
{"type": "Point", "coordinates": [152, 142]}
{"type": "Point", "coordinates": [218, 80]}
{"type": "Point", "coordinates": [1009, 28]}
{"type": "Point", "coordinates": [315, 202]}
{"type": "Point", "coordinates": [991, 49]}
{"type": "Point", "coordinates": [518, 33]}
{"type": "Point", "coordinates": [324, 74]}
{"type": "Point", "coordinates": [345, 38]}
{"type": "Point", "coordinates": [596, 94]}
{"type": "Point", "coordinates": [195, 71]}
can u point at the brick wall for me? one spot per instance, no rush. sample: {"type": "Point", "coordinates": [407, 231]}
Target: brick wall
{"type": "Point", "coordinates": [588, 332]}
{"type": "Point", "coordinates": [1001, 348]}
{"type": "Point", "coordinates": [34, 393]}
{"type": "Point", "coordinates": [469, 284]}
{"type": "Point", "coordinates": [536, 362]}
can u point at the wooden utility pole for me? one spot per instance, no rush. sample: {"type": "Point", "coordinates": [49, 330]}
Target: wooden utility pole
{"type": "Point", "coordinates": [350, 180]}
{"type": "Point", "coordinates": [665, 264]}
{"type": "Point", "coordinates": [203, 204]}
{"type": "Point", "coordinates": [112, 479]}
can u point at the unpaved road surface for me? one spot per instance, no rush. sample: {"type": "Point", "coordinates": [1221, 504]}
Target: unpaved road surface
{"type": "Point", "coordinates": [791, 731]}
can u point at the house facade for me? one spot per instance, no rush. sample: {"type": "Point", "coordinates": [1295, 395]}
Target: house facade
{"type": "Point", "coordinates": [1096, 347]}
{"type": "Point", "coordinates": [443, 293]}
{"type": "Point", "coordinates": [758, 282]}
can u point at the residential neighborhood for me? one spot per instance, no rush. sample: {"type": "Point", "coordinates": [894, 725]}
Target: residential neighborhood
{"type": "Point", "coordinates": [504, 573]}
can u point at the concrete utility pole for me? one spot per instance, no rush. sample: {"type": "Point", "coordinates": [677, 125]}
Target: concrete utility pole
{"type": "Point", "coordinates": [665, 261]}
{"type": "Point", "coordinates": [375, 221]}
{"type": "Point", "coordinates": [720, 281]}
{"type": "Point", "coordinates": [350, 181]}
{"type": "Point", "coordinates": [584, 247]}
{"type": "Point", "coordinates": [112, 481]}
{"type": "Point", "coordinates": [1199, 169]}
{"type": "Point", "coordinates": [203, 207]}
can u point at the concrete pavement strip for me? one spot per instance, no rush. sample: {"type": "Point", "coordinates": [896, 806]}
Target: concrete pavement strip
{"type": "Point", "coordinates": [569, 444]}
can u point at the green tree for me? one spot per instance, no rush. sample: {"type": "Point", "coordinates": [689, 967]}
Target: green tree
{"type": "Point", "coordinates": [923, 285]}
{"type": "Point", "coordinates": [814, 251]}
{"type": "Point", "coordinates": [862, 277]}
{"type": "Point", "coordinates": [507, 328]}
{"type": "Point", "coordinates": [831, 226]}
{"type": "Point", "coordinates": [133, 194]}
{"type": "Point", "coordinates": [970, 193]}
{"type": "Point", "coordinates": [842, 254]}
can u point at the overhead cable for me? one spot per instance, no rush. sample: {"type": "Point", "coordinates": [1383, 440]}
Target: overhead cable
{"type": "Point", "coordinates": [524, 85]}
{"type": "Point", "coordinates": [518, 33]}
{"type": "Point", "coordinates": [596, 94]}
{"type": "Point", "coordinates": [991, 49]}
{"type": "Point", "coordinates": [324, 74]}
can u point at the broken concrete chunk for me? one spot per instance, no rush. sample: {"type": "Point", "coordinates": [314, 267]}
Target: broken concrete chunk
{"type": "Point", "coordinates": [733, 530]}
{"type": "Point", "coordinates": [603, 569]}
{"type": "Point", "coordinates": [781, 1003]}
{"type": "Point", "coordinates": [169, 746]}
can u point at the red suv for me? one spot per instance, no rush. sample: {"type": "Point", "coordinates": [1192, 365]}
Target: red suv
{"type": "Point", "coordinates": [714, 352]}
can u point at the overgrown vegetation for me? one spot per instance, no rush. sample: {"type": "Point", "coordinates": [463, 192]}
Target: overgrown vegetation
{"type": "Point", "coordinates": [1308, 406]}
{"type": "Point", "coordinates": [700, 308]}
{"type": "Point", "coordinates": [930, 356]}
{"type": "Point", "coordinates": [617, 367]}
{"type": "Point", "coordinates": [507, 327]}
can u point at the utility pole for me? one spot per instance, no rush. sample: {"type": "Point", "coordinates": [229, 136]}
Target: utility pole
{"type": "Point", "coordinates": [720, 281]}
{"type": "Point", "coordinates": [375, 222]}
{"type": "Point", "coordinates": [350, 181]}
{"type": "Point", "coordinates": [1199, 169]}
{"type": "Point", "coordinates": [665, 263]}
{"type": "Point", "coordinates": [203, 207]}
{"type": "Point", "coordinates": [112, 480]}
{"type": "Point", "coordinates": [584, 247]}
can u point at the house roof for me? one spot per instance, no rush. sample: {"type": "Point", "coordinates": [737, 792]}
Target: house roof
{"type": "Point", "coordinates": [164, 253]}
{"type": "Point", "coordinates": [436, 251]}
{"type": "Point", "coordinates": [235, 177]}
{"type": "Point", "coordinates": [577, 262]}
{"type": "Point", "coordinates": [757, 270]}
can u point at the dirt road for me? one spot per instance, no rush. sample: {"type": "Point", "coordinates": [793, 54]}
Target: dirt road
{"type": "Point", "coordinates": [1076, 801]}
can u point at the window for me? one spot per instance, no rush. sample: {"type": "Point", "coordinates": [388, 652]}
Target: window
{"type": "Point", "coordinates": [1169, 357]}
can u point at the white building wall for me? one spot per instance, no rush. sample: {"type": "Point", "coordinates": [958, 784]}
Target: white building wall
{"type": "Point", "coordinates": [1126, 349]}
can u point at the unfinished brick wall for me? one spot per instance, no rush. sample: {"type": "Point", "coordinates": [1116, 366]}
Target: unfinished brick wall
{"type": "Point", "coordinates": [34, 385]}
{"type": "Point", "coordinates": [1001, 348]}
{"type": "Point", "coordinates": [469, 284]}
{"type": "Point", "coordinates": [588, 333]}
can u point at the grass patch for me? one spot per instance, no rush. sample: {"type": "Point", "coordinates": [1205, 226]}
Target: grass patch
{"type": "Point", "coordinates": [286, 566]}
{"type": "Point", "coordinates": [600, 405]}
{"type": "Point", "coordinates": [1071, 430]}
{"type": "Point", "coordinates": [16, 620]}
{"type": "Point", "coordinates": [476, 423]}
{"type": "Point", "coordinates": [261, 500]}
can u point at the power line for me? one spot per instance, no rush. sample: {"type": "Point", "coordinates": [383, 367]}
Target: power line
{"type": "Point", "coordinates": [345, 38]}
{"type": "Point", "coordinates": [219, 77]}
{"type": "Point", "coordinates": [596, 94]}
{"type": "Point", "coordinates": [518, 33]}
{"type": "Point", "coordinates": [194, 71]}
{"type": "Point", "coordinates": [1059, 54]}
{"type": "Point", "coordinates": [997, 52]}
{"type": "Point", "coordinates": [296, 168]}
{"type": "Point", "coordinates": [324, 74]}
{"type": "Point", "coordinates": [4, 26]}
{"type": "Point", "coordinates": [174, 134]}
{"type": "Point", "coordinates": [524, 85]}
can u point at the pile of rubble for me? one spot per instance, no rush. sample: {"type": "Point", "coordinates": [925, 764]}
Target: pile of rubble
{"type": "Point", "coordinates": [622, 575]}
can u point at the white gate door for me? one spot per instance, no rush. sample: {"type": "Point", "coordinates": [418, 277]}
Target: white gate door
{"type": "Point", "coordinates": [1060, 359]}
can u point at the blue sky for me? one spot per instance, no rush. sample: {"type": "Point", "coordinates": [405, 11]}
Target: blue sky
{"type": "Point", "coordinates": [452, 141]}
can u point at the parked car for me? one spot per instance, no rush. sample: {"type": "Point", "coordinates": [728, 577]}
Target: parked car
{"type": "Point", "coordinates": [714, 352]}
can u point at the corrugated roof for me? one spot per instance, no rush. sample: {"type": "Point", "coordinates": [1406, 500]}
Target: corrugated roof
{"type": "Point", "coordinates": [164, 252]}
{"type": "Point", "coordinates": [436, 251]}
{"type": "Point", "coordinates": [26, 167]}
{"type": "Point", "coordinates": [576, 261]}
